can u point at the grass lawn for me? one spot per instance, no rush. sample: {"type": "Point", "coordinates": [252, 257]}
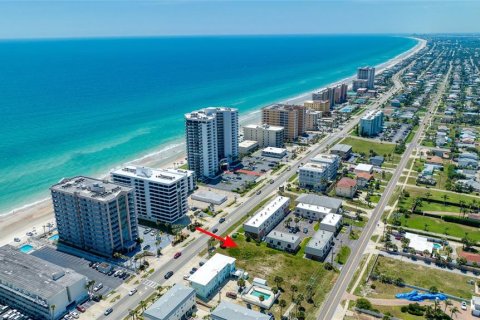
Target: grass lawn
{"type": "Point", "coordinates": [419, 275]}
{"type": "Point", "coordinates": [343, 255]}
{"type": "Point", "coordinates": [357, 272]}
{"type": "Point", "coordinates": [261, 261]}
{"type": "Point", "coordinates": [397, 312]}
{"type": "Point", "coordinates": [356, 223]}
{"type": "Point", "coordinates": [437, 225]}
{"type": "Point", "coordinates": [360, 145]}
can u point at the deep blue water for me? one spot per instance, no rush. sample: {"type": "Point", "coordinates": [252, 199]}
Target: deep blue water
{"type": "Point", "coordinates": [72, 107]}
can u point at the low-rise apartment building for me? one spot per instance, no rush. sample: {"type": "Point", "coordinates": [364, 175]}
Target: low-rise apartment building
{"type": "Point", "coordinates": [283, 241]}
{"type": "Point", "coordinates": [319, 246]}
{"type": "Point", "coordinates": [313, 176]}
{"type": "Point", "coordinates": [177, 304]}
{"type": "Point", "coordinates": [267, 218]}
{"type": "Point", "coordinates": [331, 222]}
{"type": "Point", "coordinates": [332, 162]}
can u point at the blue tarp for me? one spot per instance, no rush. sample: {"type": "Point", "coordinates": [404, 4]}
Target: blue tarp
{"type": "Point", "coordinates": [416, 296]}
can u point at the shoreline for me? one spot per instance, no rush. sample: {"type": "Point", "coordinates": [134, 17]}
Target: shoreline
{"type": "Point", "coordinates": [36, 214]}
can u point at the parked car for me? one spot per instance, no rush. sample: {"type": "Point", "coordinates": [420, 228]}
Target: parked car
{"type": "Point", "coordinates": [16, 239]}
{"type": "Point", "coordinates": [231, 295]}
{"type": "Point", "coordinates": [146, 231]}
{"type": "Point", "coordinates": [108, 311]}
{"type": "Point", "coordinates": [222, 220]}
{"type": "Point", "coordinates": [81, 308]}
{"type": "Point", "coordinates": [74, 314]}
{"type": "Point", "coordinates": [125, 276]}
{"type": "Point", "coordinates": [168, 274]}
{"type": "Point", "coordinates": [91, 264]}
{"type": "Point", "coordinates": [186, 276]}
{"type": "Point", "coordinates": [177, 255]}
{"type": "Point", "coordinates": [464, 305]}
{"type": "Point", "coordinates": [305, 230]}
{"type": "Point", "coordinates": [132, 292]}
{"type": "Point", "coordinates": [258, 192]}
{"type": "Point", "coordinates": [96, 298]}
{"type": "Point", "coordinates": [98, 287]}
{"type": "Point", "coordinates": [214, 230]}
{"type": "Point", "coordinates": [147, 247]}
{"type": "Point", "coordinates": [111, 272]}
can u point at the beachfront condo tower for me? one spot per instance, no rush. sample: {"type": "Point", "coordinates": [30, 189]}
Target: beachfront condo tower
{"type": "Point", "coordinates": [95, 215]}
{"type": "Point", "coordinates": [160, 194]}
{"type": "Point", "coordinates": [212, 140]}
{"type": "Point", "coordinates": [290, 117]}
{"type": "Point", "coordinates": [367, 73]}
{"type": "Point", "coordinates": [371, 124]}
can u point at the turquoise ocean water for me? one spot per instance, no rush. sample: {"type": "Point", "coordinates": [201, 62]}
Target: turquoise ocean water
{"type": "Point", "coordinates": [82, 106]}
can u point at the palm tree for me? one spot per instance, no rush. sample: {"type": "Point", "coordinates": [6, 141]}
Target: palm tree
{"type": "Point", "coordinates": [462, 207]}
{"type": "Point", "coordinates": [52, 311]}
{"type": "Point", "coordinates": [278, 281]}
{"type": "Point", "coordinates": [444, 197]}
{"type": "Point", "coordinates": [132, 313]}
{"type": "Point", "coordinates": [294, 289]}
{"type": "Point", "coordinates": [282, 303]}
{"type": "Point", "coordinates": [447, 303]}
{"type": "Point", "coordinates": [298, 301]}
{"type": "Point", "coordinates": [142, 305]}
{"type": "Point", "coordinates": [309, 289]}
{"type": "Point", "coordinates": [425, 227]}
{"type": "Point", "coordinates": [89, 285]}
{"type": "Point", "coordinates": [454, 311]}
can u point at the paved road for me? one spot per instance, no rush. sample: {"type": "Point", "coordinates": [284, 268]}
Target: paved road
{"type": "Point", "coordinates": [330, 305]}
{"type": "Point", "coordinates": [121, 308]}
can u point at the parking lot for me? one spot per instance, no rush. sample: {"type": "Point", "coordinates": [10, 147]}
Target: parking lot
{"type": "Point", "coordinates": [395, 132]}
{"type": "Point", "coordinates": [303, 225]}
{"type": "Point", "coordinates": [150, 237]}
{"type": "Point", "coordinates": [80, 265]}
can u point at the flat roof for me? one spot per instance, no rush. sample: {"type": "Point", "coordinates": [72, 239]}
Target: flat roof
{"type": "Point", "coordinates": [418, 242]}
{"type": "Point", "coordinates": [332, 219]}
{"type": "Point", "coordinates": [314, 208]}
{"type": "Point", "coordinates": [209, 196]}
{"type": "Point", "coordinates": [364, 167]}
{"type": "Point", "coordinates": [341, 147]}
{"type": "Point", "coordinates": [209, 270]}
{"type": "Point", "coordinates": [247, 143]}
{"type": "Point", "coordinates": [230, 311]}
{"type": "Point", "coordinates": [317, 167]}
{"type": "Point", "coordinates": [320, 239]}
{"type": "Point", "coordinates": [163, 308]}
{"type": "Point", "coordinates": [274, 150]}
{"type": "Point", "coordinates": [100, 190]}
{"type": "Point", "coordinates": [273, 206]}
{"type": "Point", "coordinates": [282, 236]}
{"type": "Point", "coordinates": [264, 127]}
{"type": "Point", "coordinates": [161, 176]}
{"type": "Point", "coordinates": [325, 158]}
{"type": "Point", "coordinates": [34, 275]}
{"type": "Point", "coordinates": [322, 201]}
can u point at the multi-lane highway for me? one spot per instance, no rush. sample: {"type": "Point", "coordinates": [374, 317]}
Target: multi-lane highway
{"type": "Point", "coordinates": [122, 307]}
{"type": "Point", "coordinates": [330, 305]}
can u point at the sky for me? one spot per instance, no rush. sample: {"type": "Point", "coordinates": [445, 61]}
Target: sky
{"type": "Point", "coordinates": [104, 18]}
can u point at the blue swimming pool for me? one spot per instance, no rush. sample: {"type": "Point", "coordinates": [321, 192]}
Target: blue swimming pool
{"type": "Point", "coordinates": [53, 238]}
{"type": "Point", "coordinates": [258, 294]}
{"type": "Point", "coordinates": [437, 246]}
{"type": "Point", "coordinates": [26, 248]}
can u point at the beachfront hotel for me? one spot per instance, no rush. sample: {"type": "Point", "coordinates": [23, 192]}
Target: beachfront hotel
{"type": "Point", "coordinates": [265, 135]}
{"type": "Point", "coordinates": [160, 194]}
{"type": "Point", "coordinates": [290, 117]}
{"type": "Point", "coordinates": [212, 140]}
{"type": "Point", "coordinates": [367, 73]}
{"type": "Point", "coordinates": [32, 285]}
{"type": "Point", "coordinates": [94, 215]}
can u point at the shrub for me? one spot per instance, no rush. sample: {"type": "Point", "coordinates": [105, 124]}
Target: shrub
{"type": "Point", "coordinates": [404, 309]}
{"type": "Point", "coordinates": [464, 221]}
{"type": "Point", "coordinates": [363, 303]}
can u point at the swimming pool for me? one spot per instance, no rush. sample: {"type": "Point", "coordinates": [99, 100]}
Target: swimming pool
{"type": "Point", "coordinates": [53, 238]}
{"type": "Point", "coordinates": [437, 246]}
{"type": "Point", "coordinates": [26, 248]}
{"type": "Point", "coordinates": [258, 294]}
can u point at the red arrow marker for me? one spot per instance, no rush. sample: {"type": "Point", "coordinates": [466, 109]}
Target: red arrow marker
{"type": "Point", "coordinates": [226, 243]}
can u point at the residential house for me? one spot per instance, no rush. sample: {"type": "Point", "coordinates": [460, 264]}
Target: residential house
{"type": "Point", "coordinates": [363, 179]}
{"type": "Point", "coordinates": [377, 161]}
{"type": "Point", "coordinates": [346, 187]}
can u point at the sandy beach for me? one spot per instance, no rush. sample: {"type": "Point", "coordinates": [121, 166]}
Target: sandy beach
{"type": "Point", "coordinates": [22, 220]}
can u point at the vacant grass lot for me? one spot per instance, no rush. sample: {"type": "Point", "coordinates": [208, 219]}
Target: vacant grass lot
{"type": "Point", "coordinates": [437, 225]}
{"type": "Point", "coordinates": [360, 145]}
{"type": "Point", "coordinates": [343, 255]}
{"type": "Point", "coordinates": [261, 261]}
{"type": "Point", "coordinates": [419, 275]}
{"type": "Point", "coordinates": [397, 313]}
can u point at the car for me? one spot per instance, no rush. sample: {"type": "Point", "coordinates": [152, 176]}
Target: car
{"type": "Point", "coordinates": [231, 295]}
{"type": "Point", "coordinates": [98, 287]}
{"type": "Point", "coordinates": [147, 247]}
{"type": "Point", "coordinates": [222, 220]}
{"type": "Point", "coordinates": [271, 181]}
{"type": "Point", "coordinates": [194, 269]}
{"type": "Point", "coordinates": [117, 273]}
{"type": "Point", "coordinates": [81, 308]}
{"type": "Point", "coordinates": [132, 292]}
{"type": "Point", "coordinates": [168, 274]}
{"type": "Point", "coordinates": [67, 317]}
{"type": "Point", "coordinates": [108, 311]}
{"type": "Point", "coordinates": [214, 230]}
{"type": "Point", "coordinates": [111, 272]}
{"type": "Point", "coordinates": [177, 255]}
{"type": "Point", "coordinates": [16, 239]}
{"type": "Point", "coordinates": [29, 234]}
{"type": "Point", "coordinates": [152, 234]}
{"type": "Point", "coordinates": [464, 305]}
{"type": "Point", "coordinates": [186, 276]}
{"type": "Point", "coordinates": [310, 221]}
{"type": "Point", "coordinates": [201, 263]}
{"type": "Point", "coordinates": [305, 230]}
{"type": "Point", "coordinates": [258, 192]}
{"type": "Point", "coordinates": [96, 298]}
{"type": "Point", "coordinates": [125, 276]}
{"type": "Point", "coordinates": [74, 314]}
{"type": "Point", "coordinates": [91, 264]}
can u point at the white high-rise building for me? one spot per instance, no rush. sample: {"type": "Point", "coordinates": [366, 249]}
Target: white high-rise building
{"type": "Point", "coordinates": [202, 145]}
{"type": "Point", "coordinates": [160, 194]}
{"type": "Point", "coordinates": [212, 139]}
{"type": "Point", "coordinates": [265, 135]}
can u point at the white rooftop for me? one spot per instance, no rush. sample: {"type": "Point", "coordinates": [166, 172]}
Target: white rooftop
{"type": "Point", "coordinates": [364, 167]}
{"type": "Point", "coordinates": [274, 150]}
{"type": "Point", "coordinates": [325, 158]}
{"type": "Point", "coordinates": [314, 208]}
{"type": "Point", "coordinates": [260, 217]}
{"type": "Point", "coordinates": [317, 167]}
{"type": "Point", "coordinates": [163, 176]}
{"type": "Point", "coordinates": [247, 143]}
{"type": "Point", "coordinates": [210, 269]}
{"type": "Point", "coordinates": [419, 243]}
{"type": "Point", "coordinates": [264, 127]}
{"type": "Point", "coordinates": [332, 219]}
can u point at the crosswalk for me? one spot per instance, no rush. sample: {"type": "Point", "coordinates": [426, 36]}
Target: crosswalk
{"type": "Point", "coordinates": [151, 284]}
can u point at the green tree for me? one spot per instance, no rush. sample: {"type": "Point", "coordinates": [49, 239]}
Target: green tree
{"type": "Point", "coordinates": [278, 281]}
{"type": "Point", "coordinates": [294, 289]}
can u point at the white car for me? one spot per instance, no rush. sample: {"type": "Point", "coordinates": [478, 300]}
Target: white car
{"type": "Point", "coordinates": [464, 305]}
{"type": "Point", "coordinates": [132, 292]}
{"type": "Point", "coordinates": [74, 314]}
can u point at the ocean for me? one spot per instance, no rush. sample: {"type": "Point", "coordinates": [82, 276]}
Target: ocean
{"type": "Point", "coordinates": [82, 106]}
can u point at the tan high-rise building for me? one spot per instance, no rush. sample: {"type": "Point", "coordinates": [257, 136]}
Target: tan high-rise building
{"type": "Point", "coordinates": [291, 117]}
{"type": "Point", "coordinates": [312, 120]}
{"type": "Point", "coordinates": [317, 105]}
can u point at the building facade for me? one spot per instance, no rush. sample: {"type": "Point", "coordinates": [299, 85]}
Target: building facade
{"type": "Point", "coordinates": [319, 246]}
{"type": "Point", "coordinates": [346, 187]}
{"type": "Point", "coordinates": [267, 218]}
{"type": "Point", "coordinates": [367, 73]}
{"type": "Point", "coordinates": [331, 161]}
{"type": "Point", "coordinates": [94, 215]}
{"type": "Point", "coordinates": [371, 124]}
{"type": "Point", "coordinates": [312, 120]}
{"type": "Point", "coordinates": [227, 133]}
{"type": "Point", "coordinates": [344, 151]}
{"type": "Point", "coordinates": [33, 285]}
{"type": "Point", "coordinates": [313, 176]}
{"type": "Point", "coordinates": [290, 117]}
{"type": "Point", "coordinates": [177, 304]}
{"type": "Point", "coordinates": [209, 277]}
{"type": "Point", "coordinates": [266, 135]}
{"type": "Point", "coordinates": [331, 222]}
{"type": "Point", "coordinates": [160, 195]}
{"type": "Point", "coordinates": [359, 83]}
{"type": "Point", "coordinates": [317, 105]}
{"type": "Point", "coordinates": [231, 311]}
{"type": "Point", "coordinates": [283, 241]}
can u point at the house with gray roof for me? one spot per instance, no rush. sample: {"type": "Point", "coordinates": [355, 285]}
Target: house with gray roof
{"type": "Point", "coordinates": [342, 150]}
{"type": "Point", "coordinates": [177, 304]}
{"type": "Point", "coordinates": [327, 202]}
{"type": "Point", "coordinates": [230, 311]}
{"type": "Point", "coordinates": [283, 241]}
